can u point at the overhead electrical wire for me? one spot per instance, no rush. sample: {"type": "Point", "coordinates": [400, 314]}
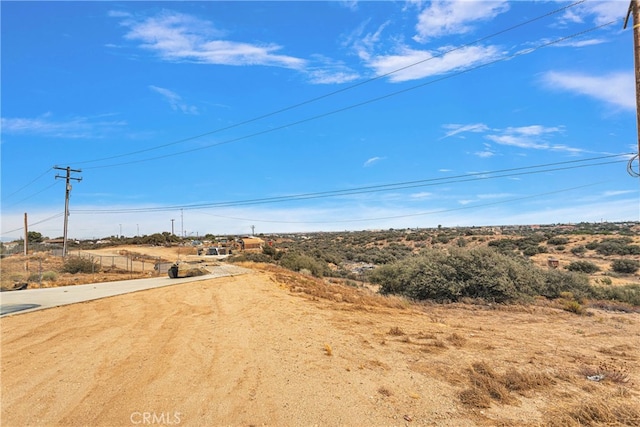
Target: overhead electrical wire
{"type": "Point", "coordinates": [28, 184]}
{"type": "Point", "coordinates": [32, 195]}
{"type": "Point", "coordinates": [327, 95]}
{"type": "Point", "coordinates": [343, 192]}
{"type": "Point", "coordinates": [517, 199]}
{"type": "Point", "coordinates": [359, 104]}
{"type": "Point", "coordinates": [502, 173]}
{"type": "Point", "coordinates": [58, 215]}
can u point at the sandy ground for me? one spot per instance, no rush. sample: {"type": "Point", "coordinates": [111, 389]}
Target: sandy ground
{"type": "Point", "coordinates": [275, 348]}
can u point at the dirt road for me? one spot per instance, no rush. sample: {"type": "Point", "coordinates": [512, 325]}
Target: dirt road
{"type": "Point", "coordinates": [273, 348]}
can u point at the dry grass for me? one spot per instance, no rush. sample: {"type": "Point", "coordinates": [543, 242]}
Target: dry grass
{"type": "Point", "coordinates": [487, 386]}
{"type": "Point", "coordinates": [359, 298]}
{"type": "Point", "coordinates": [18, 269]}
{"type": "Point", "coordinates": [328, 350]}
{"type": "Point", "coordinates": [605, 411]}
{"type": "Point", "coordinates": [396, 331]}
{"type": "Point", "coordinates": [606, 371]}
{"type": "Point", "coordinates": [456, 339]}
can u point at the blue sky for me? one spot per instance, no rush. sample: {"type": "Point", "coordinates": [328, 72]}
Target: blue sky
{"type": "Point", "coordinates": [312, 116]}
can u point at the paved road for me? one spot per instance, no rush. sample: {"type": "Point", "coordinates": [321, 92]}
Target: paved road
{"type": "Point", "coordinates": [16, 302]}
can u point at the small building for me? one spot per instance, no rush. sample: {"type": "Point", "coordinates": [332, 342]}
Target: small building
{"type": "Point", "coordinates": [553, 262]}
{"type": "Point", "coordinates": [251, 243]}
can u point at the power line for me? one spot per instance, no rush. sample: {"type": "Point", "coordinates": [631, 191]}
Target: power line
{"type": "Point", "coordinates": [327, 95]}
{"type": "Point", "coordinates": [58, 215]}
{"type": "Point", "coordinates": [28, 184]}
{"type": "Point", "coordinates": [502, 173]}
{"type": "Point", "coordinates": [33, 195]}
{"type": "Point", "coordinates": [360, 104]}
{"type": "Point", "coordinates": [517, 199]}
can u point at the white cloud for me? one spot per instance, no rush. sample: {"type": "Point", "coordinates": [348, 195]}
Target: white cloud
{"type": "Point", "coordinates": [486, 153]}
{"type": "Point", "coordinates": [349, 4]}
{"type": "Point", "coordinates": [615, 89]}
{"type": "Point", "coordinates": [613, 193]}
{"type": "Point", "coordinates": [444, 17]}
{"type": "Point", "coordinates": [174, 100]}
{"type": "Point", "coordinates": [420, 196]}
{"type": "Point", "coordinates": [529, 137]}
{"type": "Point", "coordinates": [455, 129]}
{"type": "Point", "coordinates": [181, 37]}
{"type": "Point", "coordinates": [417, 64]}
{"type": "Point", "coordinates": [372, 161]}
{"type": "Point", "coordinates": [76, 127]}
{"type": "Point", "coordinates": [602, 11]}
{"type": "Point", "coordinates": [329, 71]}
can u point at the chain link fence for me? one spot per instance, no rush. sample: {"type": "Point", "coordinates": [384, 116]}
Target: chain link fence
{"type": "Point", "coordinates": [130, 263]}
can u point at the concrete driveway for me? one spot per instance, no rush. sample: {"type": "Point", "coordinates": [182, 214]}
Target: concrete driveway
{"type": "Point", "coordinates": [16, 302]}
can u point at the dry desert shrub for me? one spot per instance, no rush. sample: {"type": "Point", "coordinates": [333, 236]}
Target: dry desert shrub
{"type": "Point", "coordinates": [456, 340]}
{"type": "Point", "coordinates": [396, 331]}
{"type": "Point", "coordinates": [384, 391]}
{"type": "Point", "coordinates": [596, 412]}
{"type": "Point", "coordinates": [524, 381]}
{"type": "Point", "coordinates": [486, 385]}
{"type": "Point", "coordinates": [359, 298]}
{"type": "Point", "coordinates": [475, 398]}
{"type": "Point", "coordinates": [606, 371]}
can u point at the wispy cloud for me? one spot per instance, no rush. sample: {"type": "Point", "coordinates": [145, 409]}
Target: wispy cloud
{"type": "Point", "coordinates": [615, 89]}
{"type": "Point", "coordinates": [486, 152]}
{"type": "Point", "coordinates": [530, 137]}
{"type": "Point", "coordinates": [421, 196]}
{"type": "Point", "coordinates": [455, 129]}
{"type": "Point", "coordinates": [174, 100]}
{"type": "Point", "coordinates": [613, 193]}
{"type": "Point", "coordinates": [536, 137]}
{"type": "Point", "coordinates": [443, 18]}
{"type": "Point", "coordinates": [180, 37]}
{"type": "Point", "coordinates": [417, 64]}
{"type": "Point", "coordinates": [372, 161]}
{"type": "Point", "coordinates": [46, 125]}
{"type": "Point", "coordinates": [327, 71]}
{"type": "Point", "coordinates": [601, 12]}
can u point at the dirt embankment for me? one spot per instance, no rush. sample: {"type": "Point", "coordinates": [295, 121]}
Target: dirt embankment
{"type": "Point", "coordinates": [276, 348]}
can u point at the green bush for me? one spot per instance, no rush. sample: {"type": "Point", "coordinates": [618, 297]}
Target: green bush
{"type": "Point", "coordinates": [573, 307]}
{"type": "Point", "coordinates": [298, 262]}
{"type": "Point", "coordinates": [531, 250]}
{"type": "Point", "coordinates": [480, 273]}
{"type": "Point", "coordinates": [558, 282]}
{"type": "Point", "coordinates": [77, 264]}
{"type": "Point", "coordinates": [557, 241]}
{"type": "Point", "coordinates": [617, 246]}
{"type": "Point", "coordinates": [626, 266]}
{"type": "Point", "coordinates": [583, 267]}
{"type": "Point", "coordinates": [579, 250]}
{"type": "Point", "coordinates": [49, 276]}
{"type": "Point", "coordinates": [629, 294]}
{"type": "Point", "coordinates": [251, 257]}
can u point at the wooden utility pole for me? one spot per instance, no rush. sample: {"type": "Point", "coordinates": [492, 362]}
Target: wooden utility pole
{"type": "Point", "coordinates": [26, 235]}
{"type": "Point", "coordinates": [68, 178]}
{"type": "Point", "coordinates": [634, 12]}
